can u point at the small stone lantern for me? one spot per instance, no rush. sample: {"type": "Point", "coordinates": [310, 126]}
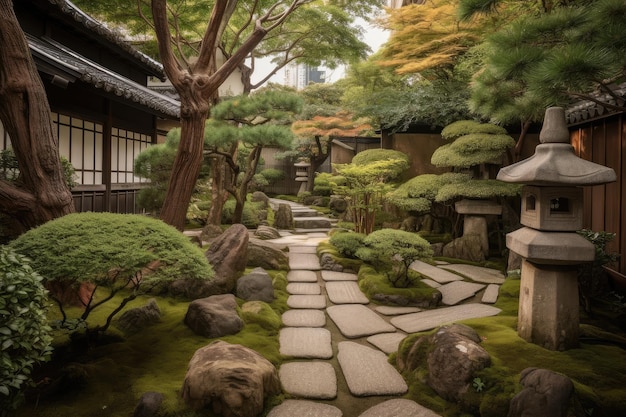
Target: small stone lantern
{"type": "Point", "coordinates": [302, 175]}
{"type": "Point", "coordinates": [551, 212]}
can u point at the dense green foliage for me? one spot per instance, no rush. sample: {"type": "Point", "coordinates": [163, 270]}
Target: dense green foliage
{"type": "Point", "coordinates": [419, 193]}
{"type": "Point", "coordinates": [392, 251]}
{"type": "Point", "coordinates": [113, 253]}
{"type": "Point", "coordinates": [24, 332]}
{"type": "Point", "coordinates": [347, 242]}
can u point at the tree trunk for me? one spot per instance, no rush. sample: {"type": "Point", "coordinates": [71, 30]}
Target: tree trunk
{"type": "Point", "coordinates": [42, 193]}
{"type": "Point", "coordinates": [218, 192]}
{"type": "Point", "coordinates": [317, 160]}
{"type": "Point", "coordinates": [253, 162]}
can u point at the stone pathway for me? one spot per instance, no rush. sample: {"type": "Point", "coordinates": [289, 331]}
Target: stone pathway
{"type": "Point", "coordinates": [339, 367]}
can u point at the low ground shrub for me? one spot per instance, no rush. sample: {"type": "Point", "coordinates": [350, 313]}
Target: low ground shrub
{"type": "Point", "coordinates": [347, 243]}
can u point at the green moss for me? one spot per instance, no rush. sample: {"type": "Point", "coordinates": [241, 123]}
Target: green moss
{"type": "Point", "coordinates": [373, 283]}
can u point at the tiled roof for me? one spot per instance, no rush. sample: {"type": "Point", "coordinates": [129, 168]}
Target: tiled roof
{"type": "Point", "coordinates": [51, 53]}
{"type": "Point", "coordinates": [99, 29]}
{"type": "Point", "coordinates": [588, 110]}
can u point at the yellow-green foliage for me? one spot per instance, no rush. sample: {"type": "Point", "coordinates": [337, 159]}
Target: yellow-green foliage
{"type": "Point", "coordinates": [372, 283]}
{"type": "Point", "coordinates": [477, 189]}
{"type": "Point", "coordinates": [375, 155]}
{"type": "Point", "coordinates": [472, 144]}
{"type": "Point", "coordinates": [418, 193]}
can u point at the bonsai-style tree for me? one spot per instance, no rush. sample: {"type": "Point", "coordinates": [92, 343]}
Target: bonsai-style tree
{"type": "Point", "coordinates": [393, 251]}
{"type": "Point", "coordinates": [111, 254]}
{"type": "Point", "coordinates": [366, 181]}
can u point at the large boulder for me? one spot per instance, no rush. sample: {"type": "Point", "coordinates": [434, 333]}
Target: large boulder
{"type": "Point", "coordinates": [256, 286]}
{"type": "Point", "coordinates": [267, 255]}
{"type": "Point", "coordinates": [135, 319]}
{"type": "Point", "coordinates": [468, 247]}
{"type": "Point", "coordinates": [545, 394]}
{"type": "Point", "coordinates": [149, 405]}
{"type": "Point", "coordinates": [214, 316]}
{"type": "Point", "coordinates": [231, 380]}
{"type": "Point", "coordinates": [266, 232]}
{"type": "Point", "coordinates": [260, 197]}
{"type": "Point", "coordinates": [455, 355]}
{"type": "Point", "coordinates": [228, 255]}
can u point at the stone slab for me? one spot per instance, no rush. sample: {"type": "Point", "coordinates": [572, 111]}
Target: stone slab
{"type": "Point", "coordinates": [304, 318]}
{"type": "Point", "coordinates": [307, 261]}
{"type": "Point", "coordinates": [356, 320]}
{"type": "Point", "coordinates": [338, 276]}
{"type": "Point", "coordinates": [301, 248]}
{"type": "Point", "coordinates": [387, 342]}
{"type": "Point", "coordinates": [301, 276]}
{"type": "Point", "coordinates": [368, 372]}
{"type": "Point", "coordinates": [491, 293]}
{"type": "Point", "coordinates": [476, 273]}
{"type": "Point", "coordinates": [437, 274]}
{"type": "Point", "coordinates": [431, 283]}
{"type": "Point", "coordinates": [399, 407]}
{"type": "Point", "coordinates": [345, 292]}
{"type": "Point", "coordinates": [304, 408]}
{"type": "Point", "coordinates": [311, 223]}
{"type": "Point", "coordinates": [396, 311]}
{"type": "Point", "coordinates": [304, 288]}
{"type": "Point", "coordinates": [314, 380]}
{"type": "Point", "coordinates": [457, 291]}
{"type": "Point", "coordinates": [304, 342]}
{"type": "Point", "coordinates": [426, 320]}
{"type": "Point", "coordinates": [306, 301]}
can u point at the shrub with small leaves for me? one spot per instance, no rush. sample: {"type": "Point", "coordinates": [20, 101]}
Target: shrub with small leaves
{"type": "Point", "coordinates": [347, 243]}
{"type": "Point", "coordinates": [24, 334]}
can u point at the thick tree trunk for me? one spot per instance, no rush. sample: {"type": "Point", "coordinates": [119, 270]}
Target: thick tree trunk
{"type": "Point", "coordinates": [218, 191]}
{"type": "Point", "coordinates": [42, 193]}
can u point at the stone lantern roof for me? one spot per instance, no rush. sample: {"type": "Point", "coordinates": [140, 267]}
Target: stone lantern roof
{"type": "Point", "coordinates": [554, 162]}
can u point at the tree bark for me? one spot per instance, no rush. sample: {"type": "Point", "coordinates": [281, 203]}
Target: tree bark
{"type": "Point", "coordinates": [41, 193]}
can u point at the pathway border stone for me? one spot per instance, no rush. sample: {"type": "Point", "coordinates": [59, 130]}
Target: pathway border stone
{"type": "Point", "coordinates": [345, 292]}
{"type": "Point", "coordinates": [437, 274]}
{"type": "Point", "coordinates": [426, 320]}
{"type": "Point", "coordinates": [356, 320]}
{"type": "Point", "coordinates": [457, 291]}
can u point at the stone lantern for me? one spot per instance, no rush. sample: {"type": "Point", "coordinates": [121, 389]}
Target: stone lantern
{"type": "Point", "coordinates": [552, 251]}
{"type": "Point", "coordinates": [302, 175]}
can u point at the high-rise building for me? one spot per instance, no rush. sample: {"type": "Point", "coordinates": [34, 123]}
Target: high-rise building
{"type": "Point", "coordinates": [299, 76]}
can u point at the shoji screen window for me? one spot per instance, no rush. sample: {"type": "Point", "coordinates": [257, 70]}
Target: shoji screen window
{"type": "Point", "coordinates": [80, 141]}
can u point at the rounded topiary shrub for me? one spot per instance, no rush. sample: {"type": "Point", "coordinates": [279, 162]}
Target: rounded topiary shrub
{"type": "Point", "coordinates": [24, 333]}
{"type": "Point", "coordinates": [116, 253]}
{"type": "Point", "coordinates": [347, 242]}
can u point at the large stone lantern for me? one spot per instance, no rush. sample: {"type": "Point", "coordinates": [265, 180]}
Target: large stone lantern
{"type": "Point", "coordinates": [552, 200]}
{"type": "Point", "coordinates": [302, 175]}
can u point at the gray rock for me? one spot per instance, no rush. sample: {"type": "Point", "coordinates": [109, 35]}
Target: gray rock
{"type": "Point", "coordinates": [149, 405]}
{"type": "Point", "coordinates": [311, 223]}
{"type": "Point", "coordinates": [302, 408]}
{"type": "Point", "coordinates": [267, 255]}
{"type": "Point", "coordinates": [214, 316]}
{"type": "Point", "coordinates": [135, 319]}
{"type": "Point", "coordinates": [283, 219]}
{"type": "Point", "coordinates": [230, 380]}
{"type": "Point", "coordinates": [266, 233]}
{"type": "Point", "coordinates": [491, 294]}
{"type": "Point", "coordinates": [256, 286]}
{"type": "Point", "coordinates": [356, 320]}
{"type": "Point", "coordinates": [303, 342]}
{"type": "Point", "coordinates": [468, 247]}
{"type": "Point", "coordinates": [545, 394]}
{"type": "Point", "coordinates": [368, 372]}
{"type": "Point", "coordinates": [315, 380]}
{"type": "Point", "coordinates": [399, 407]}
{"type": "Point", "coordinates": [260, 197]}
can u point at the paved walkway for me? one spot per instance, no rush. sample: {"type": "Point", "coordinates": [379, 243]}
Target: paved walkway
{"type": "Point", "coordinates": [339, 343]}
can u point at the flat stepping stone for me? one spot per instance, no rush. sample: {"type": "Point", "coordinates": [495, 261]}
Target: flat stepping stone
{"type": "Point", "coordinates": [426, 320]}
{"type": "Point", "coordinates": [307, 261]}
{"type": "Point", "coordinates": [387, 342]}
{"type": "Point", "coordinates": [345, 292]}
{"type": "Point", "coordinates": [396, 311]}
{"type": "Point", "coordinates": [338, 276]}
{"type": "Point", "coordinates": [476, 273]}
{"type": "Point", "coordinates": [301, 276]}
{"type": "Point", "coordinates": [304, 318]}
{"type": "Point", "coordinates": [437, 274]}
{"type": "Point", "coordinates": [303, 408]}
{"type": "Point", "coordinates": [399, 408]}
{"type": "Point", "coordinates": [306, 301]}
{"type": "Point", "coordinates": [304, 342]}
{"type": "Point", "coordinates": [368, 372]}
{"type": "Point", "coordinates": [490, 295]}
{"type": "Point", "coordinates": [304, 288]}
{"type": "Point", "coordinates": [301, 248]}
{"type": "Point", "coordinates": [431, 283]}
{"type": "Point", "coordinates": [455, 292]}
{"type": "Point", "coordinates": [316, 380]}
{"type": "Point", "coordinates": [311, 222]}
{"type": "Point", "coordinates": [356, 320]}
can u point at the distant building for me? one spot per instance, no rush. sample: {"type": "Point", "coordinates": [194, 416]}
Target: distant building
{"type": "Point", "coordinates": [299, 76]}
{"type": "Point", "coordinates": [396, 4]}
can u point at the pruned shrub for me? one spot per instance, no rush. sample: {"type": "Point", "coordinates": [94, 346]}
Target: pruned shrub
{"type": "Point", "coordinates": [24, 333]}
{"type": "Point", "coordinates": [249, 217]}
{"type": "Point", "coordinates": [108, 254]}
{"type": "Point", "coordinates": [393, 251]}
{"type": "Point", "coordinates": [347, 243]}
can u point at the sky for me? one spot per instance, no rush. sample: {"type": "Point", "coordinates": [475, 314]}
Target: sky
{"type": "Point", "coordinates": [374, 37]}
